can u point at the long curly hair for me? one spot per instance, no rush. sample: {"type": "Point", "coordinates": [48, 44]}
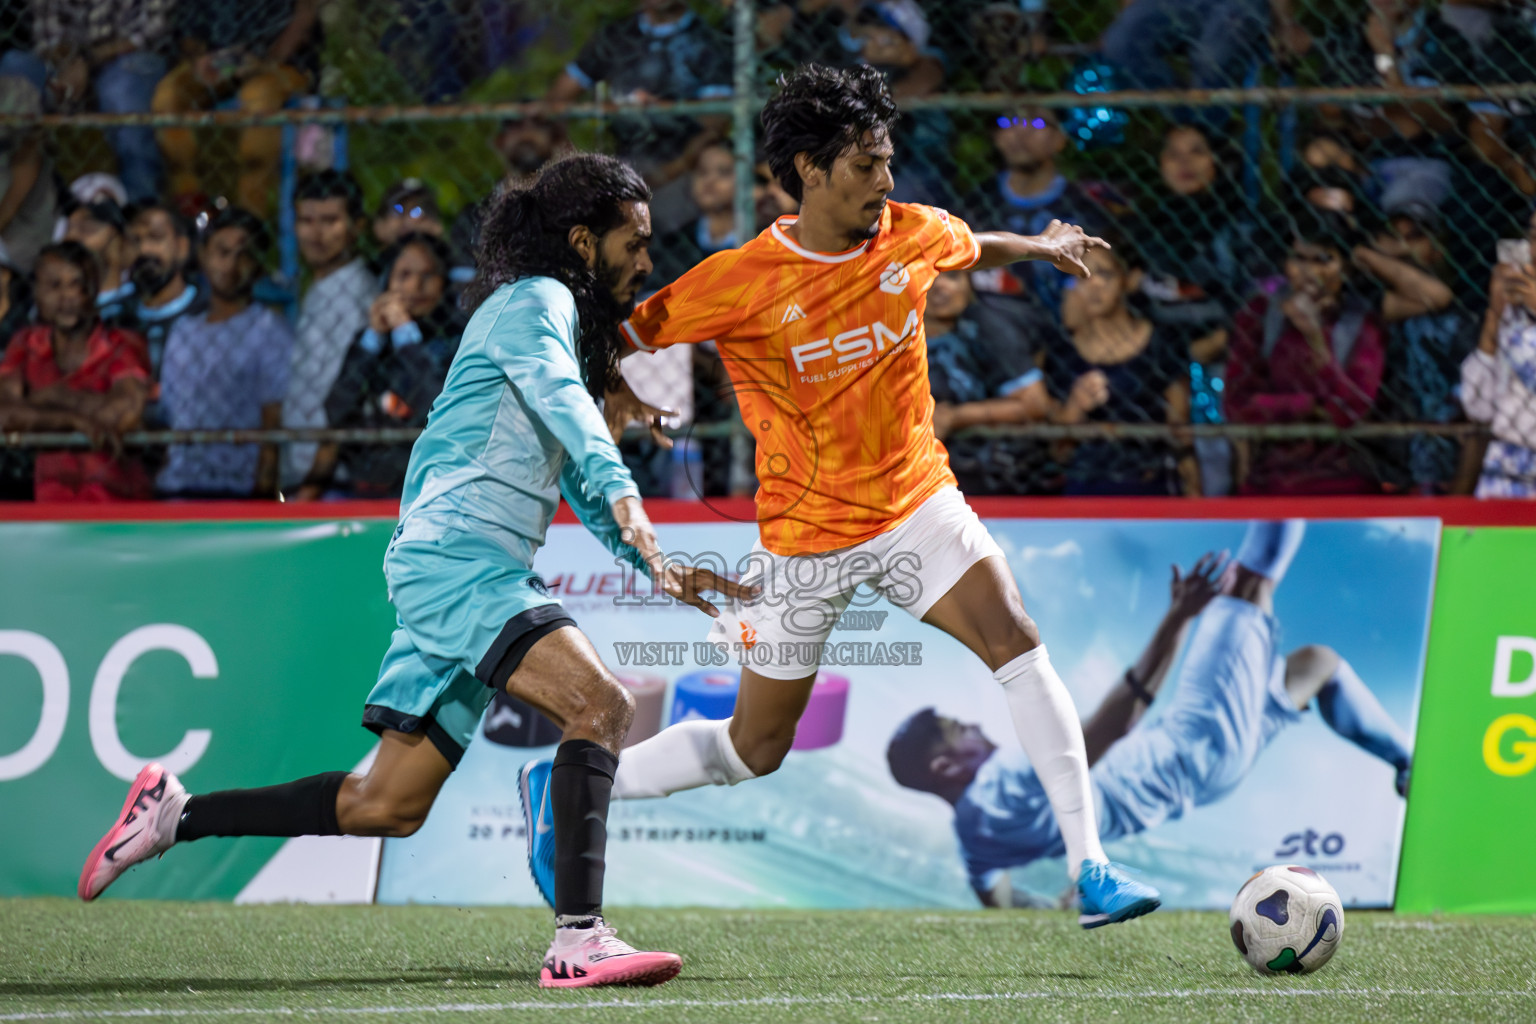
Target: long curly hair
{"type": "Point", "coordinates": [525, 231]}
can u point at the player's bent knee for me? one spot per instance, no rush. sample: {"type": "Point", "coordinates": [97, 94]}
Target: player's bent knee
{"type": "Point", "coordinates": [764, 754]}
{"type": "Point", "coordinates": [1005, 644]}
{"type": "Point", "coordinates": [1313, 659]}
{"type": "Point", "coordinates": [604, 712]}
{"type": "Point", "coordinates": [377, 818]}
{"type": "Point", "coordinates": [401, 826]}
{"type": "Point", "coordinates": [361, 812]}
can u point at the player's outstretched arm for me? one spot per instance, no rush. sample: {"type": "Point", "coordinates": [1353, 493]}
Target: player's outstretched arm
{"type": "Point", "coordinates": [1124, 705]}
{"type": "Point", "coordinates": [1062, 245]}
{"type": "Point", "coordinates": [686, 583]}
{"type": "Point", "coordinates": [622, 406]}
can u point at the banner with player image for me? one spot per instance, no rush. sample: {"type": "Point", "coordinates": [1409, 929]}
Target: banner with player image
{"type": "Point", "coordinates": [1280, 730]}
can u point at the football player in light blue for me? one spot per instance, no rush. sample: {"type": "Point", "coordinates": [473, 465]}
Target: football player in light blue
{"type": "Point", "coordinates": [516, 428]}
{"type": "Point", "coordinates": [1235, 693]}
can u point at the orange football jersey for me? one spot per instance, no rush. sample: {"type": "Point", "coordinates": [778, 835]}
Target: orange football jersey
{"type": "Point", "coordinates": [829, 363]}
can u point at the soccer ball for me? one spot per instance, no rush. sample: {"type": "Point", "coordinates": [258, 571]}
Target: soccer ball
{"type": "Point", "coordinates": [1287, 920]}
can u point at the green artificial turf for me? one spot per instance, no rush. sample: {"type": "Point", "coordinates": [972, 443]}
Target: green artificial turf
{"type": "Point", "coordinates": [121, 960]}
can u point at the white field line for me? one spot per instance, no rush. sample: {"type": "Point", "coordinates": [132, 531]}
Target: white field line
{"type": "Point", "coordinates": [642, 1004]}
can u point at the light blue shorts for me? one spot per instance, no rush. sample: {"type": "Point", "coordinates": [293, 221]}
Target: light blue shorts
{"type": "Point", "coordinates": [466, 613]}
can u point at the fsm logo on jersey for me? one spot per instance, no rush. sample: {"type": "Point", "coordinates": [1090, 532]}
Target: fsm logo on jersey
{"type": "Point", "coordinates": [895, 278]}
{"type": "Point", "coordinates": [854, 344]}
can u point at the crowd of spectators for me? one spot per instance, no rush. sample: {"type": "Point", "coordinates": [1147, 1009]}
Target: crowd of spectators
{"type": "Point", "coordinates": [1384, 276]}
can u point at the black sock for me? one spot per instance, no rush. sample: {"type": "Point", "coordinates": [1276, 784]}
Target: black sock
{"type": "Point", "coordinates": [580, 784]}
{"type": "Point", "coordinates": [304, 807]}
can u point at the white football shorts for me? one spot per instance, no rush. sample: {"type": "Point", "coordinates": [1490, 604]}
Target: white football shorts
{"type": "Point", "coordinates": [781, 634]}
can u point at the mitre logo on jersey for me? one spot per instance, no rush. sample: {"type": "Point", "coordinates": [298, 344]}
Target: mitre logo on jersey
{"type": "Point", "coordinates": [855, 344]}
{"type": "Point", "coordinates": [895, 278]}
{"type": "Point", "coordinates": [793, 313]}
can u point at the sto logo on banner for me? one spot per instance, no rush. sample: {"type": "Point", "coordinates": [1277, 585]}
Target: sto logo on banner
{"type": "Point", "coordinates": [102, 714]}
{"type": "Point", "coordinates": [1505, 685]}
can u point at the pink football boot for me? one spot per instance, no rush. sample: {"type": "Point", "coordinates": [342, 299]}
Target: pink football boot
{"type": "Point", "coordinates": [597, 956]}
{"type": "Point", "coordinates": [146, 826]}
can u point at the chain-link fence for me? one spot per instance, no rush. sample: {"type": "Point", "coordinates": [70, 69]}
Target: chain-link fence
{"type": "Point", "coordinates": [1321, 217]}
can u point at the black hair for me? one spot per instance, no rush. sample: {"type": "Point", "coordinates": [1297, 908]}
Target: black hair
{"type": "Point", "coordinates": [183, 227]}
{"type": "Point", "coordinates": [105, 210]}
{"type": "Point", "coordinates": [439, 249]}
{"type": "Point", "coordinates": [719, 142]}
{"type": "Point", "coordinates": [1327, 228]}
{"type": "Point", "coordinates": [445, 316]}
{"type": "Point", "coordinates": [1220, 147]}
{"type": "Point", "coordinates": [1122, 249]}
{"type": "Point", "coordinates": [1332, 176]}
{"type": "Point", "coordinates": [910, 752]}
{"type": "Point", "coordinates": [258, 238]}
{"type": "Point", "coordinates": [525, 232]}
{"type": "Point", "coordinates": [79, 256]}
{"type": "Point", "coordinates": [823, 112]}
{"type": "Point", "coordinates": [331, 184]}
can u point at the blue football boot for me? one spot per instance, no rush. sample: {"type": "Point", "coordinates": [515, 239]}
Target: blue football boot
{"type": "Point", "coordinates": [539, 820]}
{"type": "Point", "coordinates": [1108, 895]}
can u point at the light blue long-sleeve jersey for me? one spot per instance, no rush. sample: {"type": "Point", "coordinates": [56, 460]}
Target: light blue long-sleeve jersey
{"type": "Point", "coordinates": [513, 429]}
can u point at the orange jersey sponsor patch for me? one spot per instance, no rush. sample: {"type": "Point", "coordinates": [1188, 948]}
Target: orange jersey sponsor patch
{"type": "Point", "coordinates": [829, 363]}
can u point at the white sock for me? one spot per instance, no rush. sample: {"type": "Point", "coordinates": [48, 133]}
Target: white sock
{"type": "Point", "coordinates": [682, 756]}
{"type": "Point", "coordinates": [1052, 736]}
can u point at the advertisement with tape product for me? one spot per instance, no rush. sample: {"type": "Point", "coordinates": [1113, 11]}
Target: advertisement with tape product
{"type": "Point", "coordinates": [1276, 688]}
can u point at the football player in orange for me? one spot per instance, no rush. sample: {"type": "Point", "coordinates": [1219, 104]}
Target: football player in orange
{"type": "Point", "coordinates": [819, 321]}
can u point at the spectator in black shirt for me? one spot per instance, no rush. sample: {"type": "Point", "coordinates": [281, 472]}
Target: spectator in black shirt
{"type": "Point", "coordinates": [893, 36]}
{"type": "Point", "coordinates": [808, 32]}
{"type": "Point", "coordinates": [1120, 367]}
{"type": "Point", "coordinates": [1431, 328]}
{"type": "Point", "coordinates": [527, 144]}
{"type": "Point", "coordinates": [15, 302]}
{"type": "Point", "coordinates": [1395, 43]}
{"type": "Point", "coordinates": [1202, 248]}
{"type": "Point", "coordinates": [524, 145]}
{"type": "Point", "coordinates": [982, 373]}
{"type": "Point", "coordinates": [28, 186]}
{"type": "Point", "coordinates": [392, 373]}
{"type": "Point", "coordinates": [160, 243]}
{"type": "Point", "coordinates": [1221, 40]}
{"type": "Point", "coordinates": [1028, 192]}
{"type": "Point", "coordinates": [160, 246]}
{"type": "Point", "coordinates": [1203, 251]}
{"type": "Point", "coordinates": [712, 186]}
{"type": "Point", "coordinates": [663, 52]}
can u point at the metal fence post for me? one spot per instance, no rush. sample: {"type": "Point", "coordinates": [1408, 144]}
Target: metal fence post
{"type": "Point", "coordinates": [742, 110]}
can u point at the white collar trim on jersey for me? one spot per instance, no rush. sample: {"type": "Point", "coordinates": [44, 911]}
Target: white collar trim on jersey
{"type": "Point", "coordinates": [799, 250]}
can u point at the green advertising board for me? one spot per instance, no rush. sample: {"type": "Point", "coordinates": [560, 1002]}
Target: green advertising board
{"type": "Point", "coordinates": [237, 653]}
{"type": "Point", "coordinates": [1472, 808]}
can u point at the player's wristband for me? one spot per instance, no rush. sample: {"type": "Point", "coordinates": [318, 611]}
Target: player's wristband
{"type": "Point", "coordinates": [1141, 692]}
